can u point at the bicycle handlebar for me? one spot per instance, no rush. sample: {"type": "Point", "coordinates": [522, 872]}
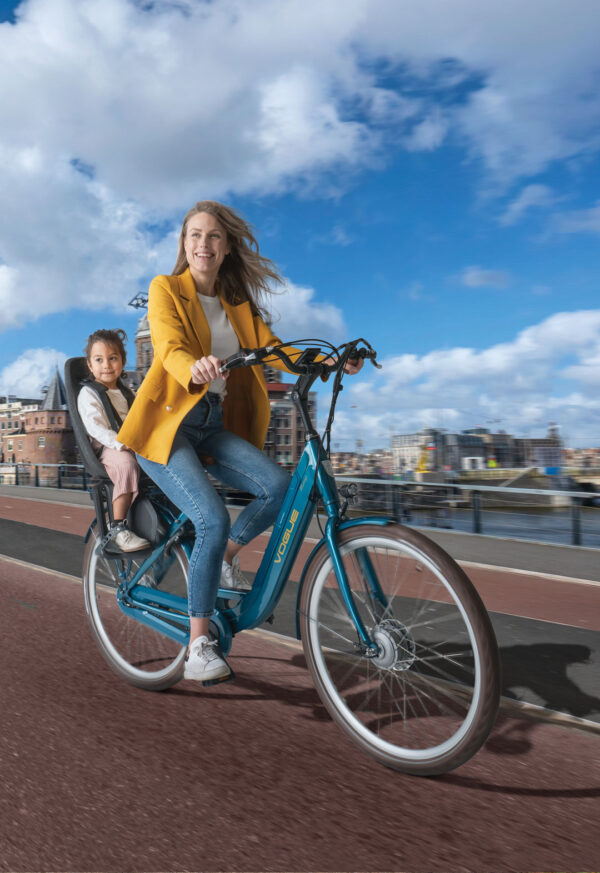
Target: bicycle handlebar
{"type": "Point", "coordinates": [251, 357]}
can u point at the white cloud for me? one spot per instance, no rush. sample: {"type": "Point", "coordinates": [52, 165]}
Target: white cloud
{"type": "Point", "coordinates": [428, 134]}
{"type": "Point", "coordinates": [113, 111]}
{"type": "Point", "coordinates": [532, 196]}
{"type": "Point", "coordinates": [30, 372]}
{"type": "Point", "coordinates": [295, 315]}
{"type": "Point", "coordinates": [578, 220]}
{"type": "Point", "coordinates": [549, 372]}
{"type": "Point", "coordinates": [477, 277]}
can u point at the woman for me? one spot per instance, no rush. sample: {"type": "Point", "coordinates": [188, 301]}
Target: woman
{"type": "Point", "coordinates": [203, 312]}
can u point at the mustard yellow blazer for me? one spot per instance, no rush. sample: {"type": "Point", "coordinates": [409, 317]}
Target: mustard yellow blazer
{"type": "Point", "coordinates": [180, 336]}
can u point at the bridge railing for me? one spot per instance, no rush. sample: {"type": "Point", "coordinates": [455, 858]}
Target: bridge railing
{"type": "Point", "coordinates": [550, 515]}
{"type": "Point", "coordinates": [45, 475]}
{"type": "Point", "coordinates": [559, 516]}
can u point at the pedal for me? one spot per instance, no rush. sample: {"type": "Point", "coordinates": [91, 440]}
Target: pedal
{"type": "Point", "coordinates": [208, 682]}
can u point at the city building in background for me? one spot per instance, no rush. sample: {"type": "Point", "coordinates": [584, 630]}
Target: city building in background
{"type": "Point", "coordinates": [585, 459]}
{"type": "Point", "coordinates": [38, 431]}
{"type": "Point", "coordinates": [433, 450]}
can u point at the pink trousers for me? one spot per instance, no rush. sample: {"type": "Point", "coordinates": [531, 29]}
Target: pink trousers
{"type": "Point", "coordinates": [123, 470]}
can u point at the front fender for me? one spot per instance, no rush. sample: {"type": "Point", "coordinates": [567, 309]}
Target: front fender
{"type": "Point", "coordinates": [322, 544]}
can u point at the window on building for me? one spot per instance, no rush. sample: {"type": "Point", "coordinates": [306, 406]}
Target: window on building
{"type": "Point", "coordinates": [41, 442]}
{"type": "Point", "coordinates": [36, 419]}
{"type": "Point", "coordinates": [9, 446]}
{"type": "Point", "coordinates": [51, 419]}
{"type": "Point", "coordinates": [3, 425]}
{"type": "Point", "coordinates": [20, 446]}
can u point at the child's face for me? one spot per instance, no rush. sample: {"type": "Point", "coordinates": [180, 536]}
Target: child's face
{"type": "Point", "coordinates": [106, 364]}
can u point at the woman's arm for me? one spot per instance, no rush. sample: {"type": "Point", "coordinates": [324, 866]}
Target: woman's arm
{"type": "Point", "coordinates": [267, 338]}
{"type": "Point", "coordinates": [169, 339]}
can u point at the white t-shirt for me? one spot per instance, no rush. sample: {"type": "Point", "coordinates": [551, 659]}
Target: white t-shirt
{"type": "Point", "coordinates": [95, 419]}
{"type": "Point", "coordinates": [224, 341]}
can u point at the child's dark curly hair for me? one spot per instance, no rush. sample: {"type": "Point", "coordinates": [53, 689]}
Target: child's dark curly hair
{"type": "Point", "coordinates": [116, 338]}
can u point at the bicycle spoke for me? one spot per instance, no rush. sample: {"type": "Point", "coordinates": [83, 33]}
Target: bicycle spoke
{"type": "Point", "coordinates": [413, 699]}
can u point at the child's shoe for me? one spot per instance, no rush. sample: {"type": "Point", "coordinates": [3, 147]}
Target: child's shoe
{"type": "Point", "coordinates": [126, 540]}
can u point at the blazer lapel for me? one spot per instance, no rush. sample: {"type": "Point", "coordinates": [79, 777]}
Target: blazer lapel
{"type": "Point", "coordinates": [194, 311]}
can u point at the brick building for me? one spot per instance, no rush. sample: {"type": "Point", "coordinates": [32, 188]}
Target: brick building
{"type": "Point", "coordinates": [12, 415]}
{"type": "Point", "coordinates": [44, 434]}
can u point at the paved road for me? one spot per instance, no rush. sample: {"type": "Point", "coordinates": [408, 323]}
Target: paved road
{"type": "Point", "coordinates": [251, 775]}
{"type": "Point", "coordinates": [548, 627]}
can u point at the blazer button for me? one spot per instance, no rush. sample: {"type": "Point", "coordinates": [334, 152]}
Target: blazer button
{"type": "Point", "coordinates": [169, 408]}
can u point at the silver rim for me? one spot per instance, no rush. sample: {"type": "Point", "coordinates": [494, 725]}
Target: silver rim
{"type": "Point", "coordinates": [418, 698]}
{"type": "Point", "coordinates": [133, 647]}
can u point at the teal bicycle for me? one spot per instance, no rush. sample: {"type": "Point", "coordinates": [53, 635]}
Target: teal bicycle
{"type": "Point", "coordinates": [398, 643]}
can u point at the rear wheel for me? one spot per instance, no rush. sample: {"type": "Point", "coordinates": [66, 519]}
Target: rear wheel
{"type": "Point", "coordinates": [138, 653]}
{"type": "Point", "coordinates": [426, 699]}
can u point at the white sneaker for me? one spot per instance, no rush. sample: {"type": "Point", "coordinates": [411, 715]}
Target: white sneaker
{"type": "Point", "coordinates": [232, 576]}
{"type": "Point", "coordinates": [127, 541]}
{"type": "Point", "coordinates": [203, 662]}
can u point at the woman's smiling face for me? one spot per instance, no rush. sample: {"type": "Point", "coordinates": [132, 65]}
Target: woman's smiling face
{"type": "Point", "coordinates": [205, 245]}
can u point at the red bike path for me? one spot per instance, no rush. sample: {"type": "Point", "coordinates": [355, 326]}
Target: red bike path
{"type": "Point", "coordinates": [252, 775]}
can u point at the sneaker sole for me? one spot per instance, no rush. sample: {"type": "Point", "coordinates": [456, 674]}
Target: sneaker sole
{"type": "Point", "coordinates": [209, 675]}
{"type": "Point", "coordinates": [134, 549]}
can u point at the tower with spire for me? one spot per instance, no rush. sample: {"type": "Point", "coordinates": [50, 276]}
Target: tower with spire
{"type": "Point", "coordinates": [44, 434]}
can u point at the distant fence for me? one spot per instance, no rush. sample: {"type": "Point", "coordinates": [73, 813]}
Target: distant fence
{"type": "Point", "coordinates": [45, 475]}
{"type": "Point", "coordinates": [571, 517]}
{"type": "Point", "coordinates": [559, 516]}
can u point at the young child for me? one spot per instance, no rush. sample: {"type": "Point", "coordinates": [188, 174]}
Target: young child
{"type": "Point", "coordinates": [105, 354]}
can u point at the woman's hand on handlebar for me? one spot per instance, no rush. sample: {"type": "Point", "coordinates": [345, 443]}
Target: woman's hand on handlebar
{"type": "Point", "coordinates": [207, 369]}
{"type": "Point", "coordinates": [352, 365]}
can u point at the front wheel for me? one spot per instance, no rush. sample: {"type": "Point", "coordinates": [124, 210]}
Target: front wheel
{"type": "Point", "coordinates": [425, 699]}
{"type": "Point", "coordinates": [136, 652]}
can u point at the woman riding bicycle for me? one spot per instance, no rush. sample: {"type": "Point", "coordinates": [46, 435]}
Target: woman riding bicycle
{"type": "Point", "coordinates": [186, 410]}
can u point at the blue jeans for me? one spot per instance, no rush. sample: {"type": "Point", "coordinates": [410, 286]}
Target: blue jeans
{"type": "Point", "coordinates": [185, 481]}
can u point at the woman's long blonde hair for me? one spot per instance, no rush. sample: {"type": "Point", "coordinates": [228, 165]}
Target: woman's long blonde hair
{"type": "Point", "coordinates": [245, 274]}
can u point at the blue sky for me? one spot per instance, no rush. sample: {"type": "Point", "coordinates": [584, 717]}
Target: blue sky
{"type": "Point", "coordinates": [426, 175]}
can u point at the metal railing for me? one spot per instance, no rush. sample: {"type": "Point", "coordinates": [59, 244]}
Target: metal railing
{"type": "Point", "coordinates": [551, 515]}
{"type": "Point", "coordinates": [71, 476]}
{"type": "Point", "coordinates": [558, 516]}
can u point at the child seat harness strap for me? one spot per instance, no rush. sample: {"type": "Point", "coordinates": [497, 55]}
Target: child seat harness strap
{"type": "Point", "coordinates": [115, 422]}
{"type": "Point", "coordinates": [111, 413]}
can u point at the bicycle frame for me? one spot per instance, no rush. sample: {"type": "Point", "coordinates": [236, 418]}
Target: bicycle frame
{"type": "Point", "coordinates": [313, 476]}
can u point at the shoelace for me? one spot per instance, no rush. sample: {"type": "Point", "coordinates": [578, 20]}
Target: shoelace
{"type": "Point", "coordinates": [208, 649]}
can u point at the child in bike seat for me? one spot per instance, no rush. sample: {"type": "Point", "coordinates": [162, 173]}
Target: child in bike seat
{"type": "Point", "coordinates": [103, 405]}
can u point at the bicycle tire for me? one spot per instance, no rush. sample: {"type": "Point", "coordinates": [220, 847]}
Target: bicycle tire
{"type": "Point", "coordinates": [137, 653]}
{"type": "Point", "coordinates": [429, 699]}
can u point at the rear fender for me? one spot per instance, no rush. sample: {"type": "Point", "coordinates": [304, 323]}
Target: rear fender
{"type": "Point", "coordinates": [90, 530]}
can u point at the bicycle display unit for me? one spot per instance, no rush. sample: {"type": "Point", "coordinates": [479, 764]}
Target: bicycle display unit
{"type": "Point", "coordinates": [397, 641]}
